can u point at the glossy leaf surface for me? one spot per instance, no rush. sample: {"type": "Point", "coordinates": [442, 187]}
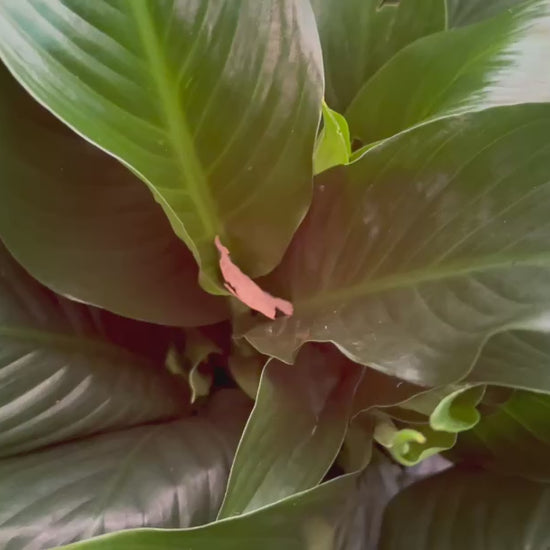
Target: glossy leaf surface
{"type": "Point", "coordinates": [498, 62]}
{"type": "Point", "coordinates": [61, 377]}
{"type": "Point", "coordinates": [169, 475]}
{"type": "Point", "coordinates": [295, 430]}
{"type": "Point", "coordinates": [359, 36]}
{"type": "Point", "coordinates": [466, 12]}
{"type": "Point", "coordinates": [85, 226]}
{"type": "Point", "coordinates": [306, 520]}
{"type": "Point", "coordinates": [215, 105]}
{"type": "Point", "coordinates": [412, 257]}
{"type": "Point", "coordinates": [461, 509]}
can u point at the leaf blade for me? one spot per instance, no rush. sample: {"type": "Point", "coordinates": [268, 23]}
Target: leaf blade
{"type": "Point", "coordinates": [61, 375]}
{"type": "Point", "coordinates": [152, 86]}
{"type": "Point", "coordinates": [380, 294]}
{"type": "Point", "coordinates": [292, 437]}
{"type": "Point", "coordinates": [494, 63]}
{"type": "Point", "coordinates": [91, 231]}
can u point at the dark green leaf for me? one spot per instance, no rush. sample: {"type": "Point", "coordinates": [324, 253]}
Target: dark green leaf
{"type": "Point", "coordinates": [295, 430]}
{"type": "Point", "coordinates": [308, 520]}
{"type": "Point", "coordinates": [61, 377]}
{"type": "Point", "coordinates": [517, 359]}
{"type": "Point", "coordinates": [459, 509]}
{"type": "Point", "coordinates": [514, 439]}
{"type": "Point", "coordinates": [214, 104]}
{"type": "Point", "coordinates": [246, 365]}
{"type": "Point", "coordinates": [170, 475]}
{"type": "Point", "coordinates": [87, 228]}
{"type": "Point", "coordinates": [377, 484]}
{"type": "Point", "coordinates": [465, 12]}
{"type": "Point", "coordinates": [498, 62]}
{"type": "Point", "coordinates": [412, 257]}
{"type": "Point", "coordinates": [359, 36]}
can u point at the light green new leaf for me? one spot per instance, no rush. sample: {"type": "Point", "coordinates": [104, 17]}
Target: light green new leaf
{"type": "Point", "coordinates": [310, 520]}
{"type": "Point", "coordinates": [450, 409]}
{"type": "Point", "coordinates": [333, 147]}
{"type": "Point", "coordinates": [466, 12]}
{"type": "Point", "coordinates": [60, 375]}
{"type": "Point", "coordinates": [169, 475]}
{"type": "Point", "coordinates": [410, 446]}
{"type": "Point", "coordinates": [498, 62]}
{"type": "Point", "coordinates": [457, 412]}
{"type": "Point", "coordinates": [85, 226]}
{"type": "Point", "coordinates": [514, 439]}
{"type": "Point", "coordinates": [359, 36]}
{"type": "Point", "coordinates": [460, 509]}
{"type": "Point", "coordinates": [295, 430]}
{"type": "Point", "coordinates": [412, 257]}
{"type": "Point", "coordinates": [215, 105]}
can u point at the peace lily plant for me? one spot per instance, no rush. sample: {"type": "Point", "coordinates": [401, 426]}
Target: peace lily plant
{"type": "Point", "coordinates": [260, 260]}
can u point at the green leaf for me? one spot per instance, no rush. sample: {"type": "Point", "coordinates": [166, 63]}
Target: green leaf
{"type": "Point", "coordinates": [246, 365]}
{"type": "Point", "coordinates": [306, 521]}
{"type": "Point", "coordinates": [169, 475]}
{"type": "Point", "coordinates": [450, 409]}
{"type": "Point", "coordinates": [457, 412]}
{"type": "Point", "coordinates": [410, 446]}
{"type": "Point", "coordinates": [60, 375]}
{"type": "Point", "coordinates": [359, 36]}
{"type": "Point", "coordinates": [460, 509]}
{"type": "Point", "coordinates": [333, 147]}
{"type": "Point", "coordinates": [357, 448]}
{"type": "Point", "coordinates": [379, 390]}
{"type": "Point", "coordinates": [86, 227]}
{"type": "Point", "coordinates": [516, 359]}
{"type": "Point", "coordinates": [465, 12]}
{"type": "Point", "coordinates": [295, 430]}
{"type": "Point", "coordinates": [412, 257]}
{"type": "Point", "coordinates": [376, 485]}
{"type": "Point", "coordinates": [192, 362]}
{"type": "Point", "coordinates": [514, 439]}
{"type": "Point", "coordinates": [499, 62]}
{"type": "Point", "coordinates": [214, 105]}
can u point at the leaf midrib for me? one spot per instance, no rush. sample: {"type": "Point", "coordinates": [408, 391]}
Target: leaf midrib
{"type": "Point", "coordinates": [415, 277]}
{"type": "Point", "coordinates": [180, 137]}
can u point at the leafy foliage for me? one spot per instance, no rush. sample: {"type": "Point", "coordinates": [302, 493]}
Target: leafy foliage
{"type": "Point", "coordinates": [377, 168]}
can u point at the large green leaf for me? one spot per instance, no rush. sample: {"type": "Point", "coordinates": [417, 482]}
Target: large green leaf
{"type": "Point", "coordinates": [460, 509]}
{"type": "Point", "coordinates": [376, 485]}
{"type": "Point", "coordinates": [517, 359]}
{"type": "Point", "coordinates": [514, 439]}
{"type": "Point", "coordinates": [306, 521]}
{"type": "Point", "coordinates": [170, 475]}
{"type": "Point", "coordinates": [85, 226]}
{"type": "Point", "coordinates": [61, 377]}
{"type": "Point", "coordinates": [499, 62]}
{"type": "Point", "coordinates": [214, 104]}
{"type": "Point", "coordinates": [295, 430]}
{"type": "Point", "coordinates": [412, 257]}
{"type": "Point", "coordinates": [359, 36]}
{"type": "Point", "coordinates": [465, 12]}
